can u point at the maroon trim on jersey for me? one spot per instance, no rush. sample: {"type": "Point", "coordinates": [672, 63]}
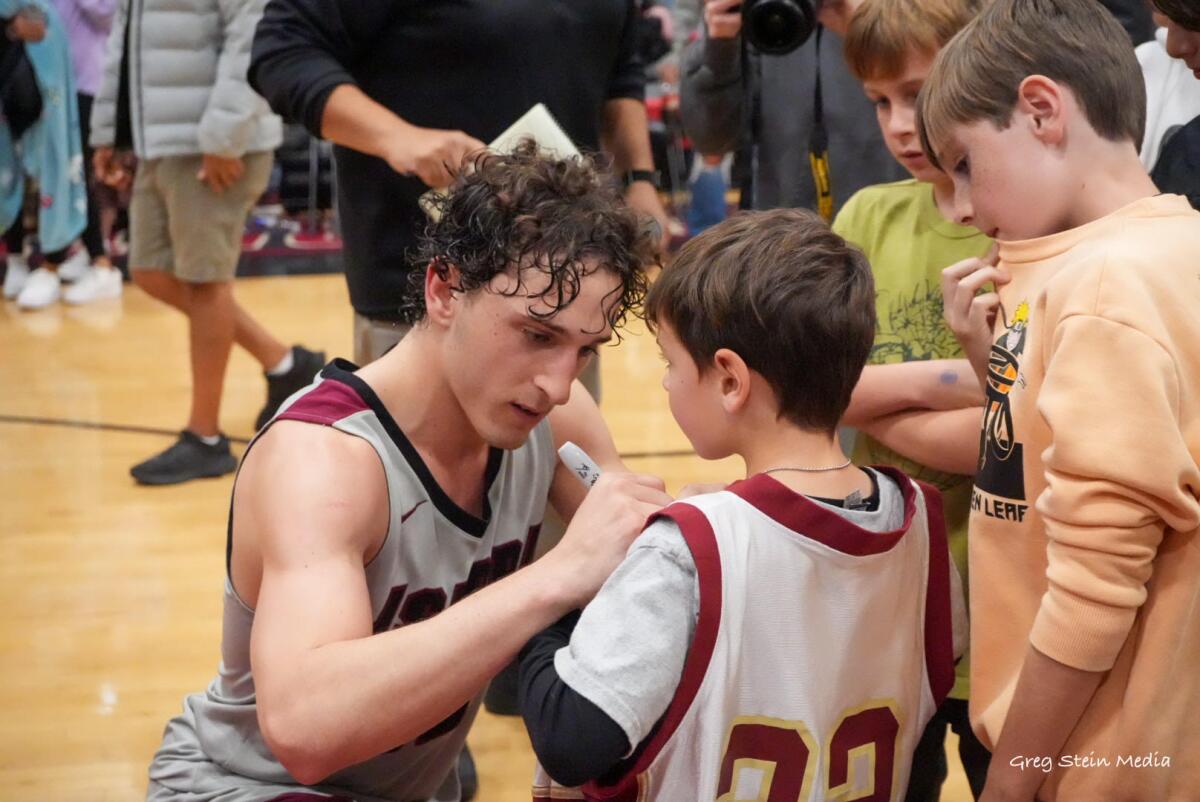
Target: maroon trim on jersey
{"type": "Point", "coordinates": [476, 526]}
{"type": "Point", "coordinates": [326, 404]}
{"type": "Point", "coordinates": [817, 522]}
{"type": "Point", "coordinates": [702, 542]}
{"type": "Point", "coordinates": [939, 627]}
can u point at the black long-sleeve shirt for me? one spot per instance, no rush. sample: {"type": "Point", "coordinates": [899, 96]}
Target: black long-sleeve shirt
{"type": "Point", "coordinates": [575, 740]}
{"type": "Point", "coordinates": [471, 65]}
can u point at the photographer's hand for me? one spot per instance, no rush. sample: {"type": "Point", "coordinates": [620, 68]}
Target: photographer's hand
{"type": "Point", "coordinates": [723, 18]}
{"type": "Point", "coordinates": [28, 25]}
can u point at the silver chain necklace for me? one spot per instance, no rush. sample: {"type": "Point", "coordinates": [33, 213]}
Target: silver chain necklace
{"type": "Point", "coordinates": [810, 470]}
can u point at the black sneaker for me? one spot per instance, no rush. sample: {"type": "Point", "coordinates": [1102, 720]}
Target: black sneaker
{"type": "Point", "coordinates": [189, 458]}
{"type": "Point", "coordinates": [305, 365]}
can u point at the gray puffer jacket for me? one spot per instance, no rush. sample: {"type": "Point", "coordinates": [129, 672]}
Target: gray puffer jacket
{"type": "Point", "coordinates": [187, 80]}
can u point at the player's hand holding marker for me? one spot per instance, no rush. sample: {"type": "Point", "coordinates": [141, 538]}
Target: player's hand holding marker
{"type": "Point", "coordinates": [580, 463]}
{"type": "Point", "coordinates": [969, 312]}
{"type": "Point", "coordinates": [610, 517]}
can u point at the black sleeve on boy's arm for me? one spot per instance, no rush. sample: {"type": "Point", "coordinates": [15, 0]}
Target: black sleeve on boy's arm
{"type": "Point", "coordinates": [575, 741]}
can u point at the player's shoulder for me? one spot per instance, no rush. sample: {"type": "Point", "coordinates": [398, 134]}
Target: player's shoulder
{"type": "Point", "coordinates": [307, 487]}
{"type": "Point", "coordinates": [302, 461]}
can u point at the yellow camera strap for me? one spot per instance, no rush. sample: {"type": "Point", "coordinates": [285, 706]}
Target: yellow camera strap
{"type": "Point", "coordinates": [818, 144]}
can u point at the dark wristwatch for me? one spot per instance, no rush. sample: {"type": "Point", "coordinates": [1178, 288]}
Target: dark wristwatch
{"type": "Point", "coordinates": [629, 176]}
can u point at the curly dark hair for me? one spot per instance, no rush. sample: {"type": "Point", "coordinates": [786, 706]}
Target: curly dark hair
{"type": "Point", "coordinates": [563, 217]}
{"type": "Point", "coordinates": [1181, 12]}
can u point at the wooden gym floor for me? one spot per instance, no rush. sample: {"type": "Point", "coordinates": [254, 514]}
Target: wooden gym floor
{"type": "Point", "coordinates": [110, 593]}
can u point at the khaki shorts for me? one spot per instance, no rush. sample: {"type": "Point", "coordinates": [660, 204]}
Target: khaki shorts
{"type": "Point", "coordinates": [374, 338]}
{"type": "Point", "coordinates": [179, 225]}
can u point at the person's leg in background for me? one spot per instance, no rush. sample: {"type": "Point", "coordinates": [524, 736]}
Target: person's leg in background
{"type": "Point", "coordinates": [17, 269]}
{"type": "Point", "coordinates": [190, 238]}
{"type": "Point", "coordinates": [708, 186]}
{"type": "Point", "coordinates": [32, 289]}
{"type": "Point", "coordinates": [929, 767]}
{"type": "Point", "coordinates": [374, 338]}
{"type": "Point", "coordinates": [974, 755]}
{"type": "Point", "coordinates": [96, 277]}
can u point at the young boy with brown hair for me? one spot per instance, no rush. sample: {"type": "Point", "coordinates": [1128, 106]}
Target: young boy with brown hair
{"type": "Point", "coordinates": [789, 636]}
{"type": "Point", "coordinates": [907, 407]}
{"type": "Point", "coordinates": [1085, 513]}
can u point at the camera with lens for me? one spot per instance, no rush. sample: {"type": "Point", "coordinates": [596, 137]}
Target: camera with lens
{"type": "Point", "coordinates": [778, 26]}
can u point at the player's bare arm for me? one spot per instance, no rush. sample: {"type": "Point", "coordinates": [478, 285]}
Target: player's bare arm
{"type": "Point", "coordinates": [935, 384]}
{"type": "Point", "coordinates": [331, 693]}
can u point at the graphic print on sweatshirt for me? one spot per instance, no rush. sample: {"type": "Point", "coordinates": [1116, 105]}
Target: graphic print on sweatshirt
{"type": "Point", "coordinates": [1000, 478]}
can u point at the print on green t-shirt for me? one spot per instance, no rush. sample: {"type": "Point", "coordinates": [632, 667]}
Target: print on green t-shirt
{"type": "Point", "coordinates": [908, 242]}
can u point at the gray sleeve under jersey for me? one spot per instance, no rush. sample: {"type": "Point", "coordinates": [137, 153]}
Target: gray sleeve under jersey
{"type": "Point", "coordinates": [627, 652]}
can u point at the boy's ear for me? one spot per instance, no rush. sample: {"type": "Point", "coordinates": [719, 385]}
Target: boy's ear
{"type": "Point", "coordinates": [733, 379]}
{"type": "Point", "coordinates": [1043, 102]}
{"type": "Point", "coordinates": [440, 294]}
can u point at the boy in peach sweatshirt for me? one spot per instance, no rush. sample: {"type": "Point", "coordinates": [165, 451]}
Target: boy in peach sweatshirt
{"type": "Point", "coordinates": [1085, 563]}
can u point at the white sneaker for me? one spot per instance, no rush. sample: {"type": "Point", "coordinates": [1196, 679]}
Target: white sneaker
{"type": "Point", "coordinates": [75, 266]}
{"type": "Point", "coordinates": [41, 289]}
{"type": "Point", "coordinates": [14, 279]}
{"type": "Point", "coordinates": [95, 285]}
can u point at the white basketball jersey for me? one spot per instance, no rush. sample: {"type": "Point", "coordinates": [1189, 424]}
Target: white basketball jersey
{"type": "Point", "coordinates": [821, 651]}
{"type": "Point", "coordinates": [434, 554]}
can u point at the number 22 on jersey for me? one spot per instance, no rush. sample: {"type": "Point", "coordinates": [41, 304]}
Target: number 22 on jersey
{"type": "Point", "coordinates": [773, 760]}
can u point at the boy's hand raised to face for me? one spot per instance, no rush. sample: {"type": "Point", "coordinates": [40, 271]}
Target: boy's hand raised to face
{"type": "Point", "coordinates": [970, 314]}
{"type": "Point", "coordinates": [610, 517]}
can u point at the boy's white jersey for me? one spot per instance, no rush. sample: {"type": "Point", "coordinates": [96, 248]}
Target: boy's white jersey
{"type": "Point", "coordinates": [821, 651]}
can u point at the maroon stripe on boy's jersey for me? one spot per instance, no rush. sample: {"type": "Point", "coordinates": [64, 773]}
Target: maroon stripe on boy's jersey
{"type": "Point", "coordinates": [939, 627]}
{"type": "Point", "coordinates": [702, 542]}
{"type": "Point", "coordinates": [328, 403]}
{"type": "Point", "coordinates": [817, 522]}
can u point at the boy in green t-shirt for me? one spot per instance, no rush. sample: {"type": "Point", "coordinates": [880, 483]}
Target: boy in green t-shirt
{"type": "Point", "coordinates": [918, 405]}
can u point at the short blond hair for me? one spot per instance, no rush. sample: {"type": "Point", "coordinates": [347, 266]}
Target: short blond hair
{"type": "Point", "coordinates": [884, 34]}
{"type": "Point", "coordinates": [1076, 43]}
